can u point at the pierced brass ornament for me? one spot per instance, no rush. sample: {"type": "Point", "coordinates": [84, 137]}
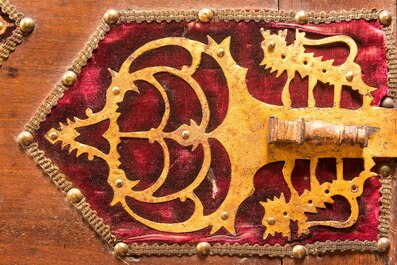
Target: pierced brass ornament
{"type": "Point", "coordinates": [27, 25]}
{"type": "Point", "coordinates": [3, 26]}
{"type": "Point", "coordinates": [343, 132]}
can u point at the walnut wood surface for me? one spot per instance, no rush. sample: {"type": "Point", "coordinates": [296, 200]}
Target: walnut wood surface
{"type": "Point", "coordinates": [37, 224]}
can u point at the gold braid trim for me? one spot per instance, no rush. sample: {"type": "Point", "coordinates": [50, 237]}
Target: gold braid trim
{"type": "Point", "coordinates": [59, 179]}
{"type": "Point", "coordinates": [17, 35]}
{"type": "Point", "coordinates": [128, 16]}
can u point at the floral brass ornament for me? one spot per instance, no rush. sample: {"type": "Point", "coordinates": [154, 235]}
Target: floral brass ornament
{"type": "Point", "coordinates": [3, 26]}
{"type": "Point", "coordinates": [253, 133]}
{"type": "Point", "coordinates": [245, 127]}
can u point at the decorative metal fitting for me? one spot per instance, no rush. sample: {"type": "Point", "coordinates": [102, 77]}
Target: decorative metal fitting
{"type": "Point", "coordinates": [25, 138]}
{"type": "Point", "coordinates": [271, 45]}
{"type": "Point", "coordinates": [387, 102]}
{"type": "Point", "coordinates": [225, 215]}
{"type": "Point", "coordinates": [203, 248]}
{"type": "Point", "coordinates": [383, 244]}
{"type": "Point", "coordinates": [301, 17]}
{"type": "Point", "coordinates": [299, 252]}
{"type": "Point", "coordinates": [385, 170]}
{"type": "Point", "coordinates": [206, 15]}
{"type": "Point", "coordinates": [111, 16]}
{"type": "Point", "coordinates": [271, 220]}
{"type": "Point", "coordinates": [74, 195]}
{"type": "Point", "coordinates": [69, 78]}
{"type": "Point", "coordinates": [185, 134]}
{"type": "Point", "coordinates": [119, 183]}
{"type": "Point", "coordinates": [220, 52]}
{"type": "Point", "coordinates": [116, 90]}
{"type": "Point", "coordinates": [27, 25]}
{"type": "Point", "coordinates": [349, 76]}
{"type": "Point", "coordinates": [385, 18]}
{"type": "Point", "coordinates": [121, 249]}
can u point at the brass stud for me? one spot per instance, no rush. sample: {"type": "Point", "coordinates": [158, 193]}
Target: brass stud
{"type": "Point", "coordinates": [387, 102]}
{"type": "Point", "coordinates": [354, 188]}
{"type": "Point", "coordinates": [383, 244]}
{"type": "Point", "coordinates": [301, 17]}
{"type": "Point", "coordinates": [203, 248]}
{"type": "Point", "coordinates": [185, 135]}
{"type": "Point", "coordinates": [116, 90]}
{"type": "Point", "coordinates": [25, 138]}
{"type": "Point", "coordinates": [111, 16]}
{"type": "Point", "coordinates": [69, 78]}
{"type": "Point", "coordinates": [271, 45]}
{"type": "Point", "coordinates": [53, 136]}
{"type": "Point", "coordinates": [271, 220]}
{"type": "Point", "coordinates": [384, 170]}
{"type": "Point", "coordinates": [349, 76]}
{"type": "Point", "coordinates": [220, 52]}
{"type": "Point", "coordinates": [225, 215]}
{"type": "Point", "coordinates": [119, 183]}
{"type": "Point", "coordinates": [27, 25]}
{"type": "Point", "coordinates": [74, 195]}
{"type": "Point", "coordinates": [206, 15]}
{"type": "Point", "coordinates": [299, 252]}
{"type": "Point", "coordinates": [121, 249]}
{"type": "Point", "coordinates": [385, 18]}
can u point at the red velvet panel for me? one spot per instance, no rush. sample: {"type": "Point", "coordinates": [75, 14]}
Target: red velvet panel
{"type": "Point", "coordinates": [142, 160]}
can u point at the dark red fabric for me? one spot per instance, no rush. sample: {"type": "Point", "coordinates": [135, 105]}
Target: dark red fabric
{"type": "Point", "coordinates": [142, 160]}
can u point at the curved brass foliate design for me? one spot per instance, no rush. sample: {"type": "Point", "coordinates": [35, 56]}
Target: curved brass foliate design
{"type": "Point", "coordinates": [3, 26]}
{"type": "Point", "coordinates": [245, 134]}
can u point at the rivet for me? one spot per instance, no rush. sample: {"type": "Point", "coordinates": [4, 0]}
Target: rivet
{"type": "Point", "coordinates": [119, 183]}
{"type": "Point", "coordinates": [387, 102]}
{"type": "Point", "coordinates": [220, 52]}
{"type": "Point", "coordinates": [299, 252]}
{"type": "Point", "coordinates": [354, 188]}
{"type": "Point", "coordinates": [301, 17]}
{"type": "Point", "coordinates": [384, 170]}
{"type": "Point", "coordinates": [121, 249]}
{"type": "Point", "coordinates": [385, 18]}
{"type": "Point", "coordinates": [205, 15]}
{"type": "Point", "coordinates": [185, 134]}
{"type": "Point", "coordinates": [69, 78]}
{"type": "Point", "coordinates": [383, 244]}
{"type": "Point", "coordinates": [349, 76]}
{"type": "Point", "coordinates": [203, 248]}
{"type": "Point", "coordinates": [53, 136]}
{"type": "Point", "coordinates": [27, 25]}
{"type": "Point", "coordinates": [74, 195]}
{"type": "Point", "coordinates": [225, 215]}
{"type": "Point", "coordinates": [271, 220]}
{"type": "Point", "coordinates": [25, 138]}
{"type": "Point", "coordinates": [111, 16]}
{"type": "Point", "coordinates": [116, 90]}
{"type": "Point", "coordinates": [271, 44]}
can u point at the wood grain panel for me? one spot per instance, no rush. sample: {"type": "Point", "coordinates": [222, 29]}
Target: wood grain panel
{"type": "Point", "coordinates": [37, 224]}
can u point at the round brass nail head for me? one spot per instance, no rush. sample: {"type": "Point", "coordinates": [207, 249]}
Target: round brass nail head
{"type": "Point", "coordinates": [387, 102]}
{"type": "Point", "coordinates": [220, 52]}
{"type": "Point", "coordinates": [25, 138]}
{"type": "Point", "coordinates": [383, 244]}
{"type": "Point", "coordinates": [301, 17]}
{"type": "Point", "coordinates": [203, 248]}
{"type": "Point", "coordinates": [119, 183]}
{"type": "Point", "coordinates": [185, 135]}
{"type": "Point", "coordinates": [74, 195]}
{"type": "Point", "coordinates": [271, 221]}
{"type": "Point", "coordinates": [69, 78]}
{"type": "Point", "coordinates": [349, 76]}
{"type": "Point", "coordinates": [53, 136]}
{"type": "Point", "coordinates": [299, 252]}
{"type": "Point", "coordinates": [225, 215]}
{"type": "Point", "coordinates": [111, 16]}
{"type": "Point", "coordinates": [116, 90]}
{"type": "Point", "coordinates": [384, 170]}
{"type": "Point", "coordinates": [27, 25]}
{"type": "Point", "coordinates": [271, 45]}
{"type": "Point", "coordinates": [385, 18]}
{"type": "Point", "coordinates": [206, 15]}
{"type": "Point", "coordinates": [121, 249]}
